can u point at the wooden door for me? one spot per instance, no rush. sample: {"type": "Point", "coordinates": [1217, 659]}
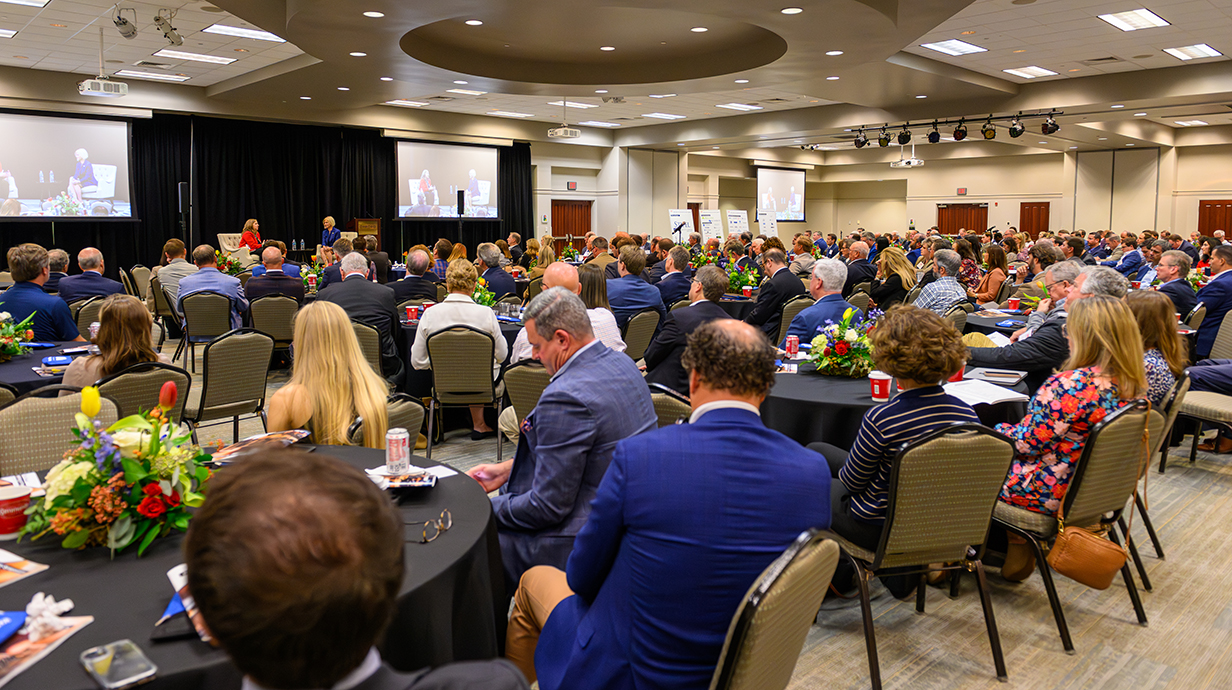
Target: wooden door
{"type": "Point", "coordinates": [570, 223]}
{"type": "Point", "coordinates": [1214, 215]}
{"type": "Point", "coordinates": [973, 218]}
{"type": "Point", "coordinates": [696, 208]}
{"type": "Point", "coordinates": [1033, 217]}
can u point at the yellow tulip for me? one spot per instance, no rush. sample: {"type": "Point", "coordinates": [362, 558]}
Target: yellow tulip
{"type": "Point", "coordinates": [90, 403]}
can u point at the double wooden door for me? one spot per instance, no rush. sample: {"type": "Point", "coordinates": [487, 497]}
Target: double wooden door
{"type": "Point", "coordinates": [570, 219]}
{"type": "Point", "coordinates": [972, 218]}
{"type": "Point", "coordinates": [1214, 215]}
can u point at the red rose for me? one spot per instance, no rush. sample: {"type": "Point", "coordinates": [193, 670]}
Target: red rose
{"type": "Point", "coordinates": [151, 507]}
{"type": "Point", "coordinates": [841, 347]}
{"type": "Point", "coordinates": [174, 499]}
{"type": "Point", "coordinates": [152, 490]}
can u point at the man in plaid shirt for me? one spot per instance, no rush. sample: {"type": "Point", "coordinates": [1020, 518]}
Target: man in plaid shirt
{"type": "Point", "coordinates": [944, 292]}
{"type": "Point", "coordinates": [442, 250]}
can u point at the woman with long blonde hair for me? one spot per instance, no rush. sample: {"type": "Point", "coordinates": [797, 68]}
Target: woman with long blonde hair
{"type": "Point", "coordinates": [544, 259]}
{"type": "Point", "coordinates": [1165, 352]}
{"type": "Point", "coordinates": [331, 382]}
{"type": "Point", "coordinates": [531, 253]}
{"type": "Point", "coordinates": [895, 278]}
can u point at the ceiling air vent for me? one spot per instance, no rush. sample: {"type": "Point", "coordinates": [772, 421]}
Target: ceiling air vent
{"type": "Point", "coordinates": [1102, 61]}
{"type": "Point", "coordinates": [774, 100]}
{"type": "Point", "coordinates": [440, 99]}
{"type": "Point", "coordinates": [153, 65]}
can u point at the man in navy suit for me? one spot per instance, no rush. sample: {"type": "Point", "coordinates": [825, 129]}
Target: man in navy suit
{"type": "Point", "coordinates": [668, 553]}
{"type": "Point", "coordinates": [825, 285]}
{"type": "Point", "coordinates": [499, 281]}
{"type": "Point", "coordinates": [90, 282]}
{"type": "Point", "coordinates": [273, 280]}
{"type": "Point", "coordinates": [1182, 244]}
{"type": "Point", "coordinates": [664, 352]}
{"type": "Point", "coordinates": [629, 294]}
{"type": "Point", "coordinates": [58, 267]}
{"type": "Point", "coordinates": [859, 270]}
{"type": "Point", "coordinates": [675, 283]}
{"type": "Point", "coordinates": [1130, 261]}
{"type": "Point", "coordinates": [415, 285]}
{"type": "Point", "coordinates": [596, 397]}
{"type": "Point", "coordinates": [780, 286]}
{"type": "Point", "coordinates": [332, 273]}
{"type": "Point", "coordinates": [1217, 296]}
{"type": "Point", "coordinates": [1172, 270]}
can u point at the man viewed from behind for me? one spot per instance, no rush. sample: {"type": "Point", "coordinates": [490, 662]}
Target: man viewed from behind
{"type": "Point", "coordinates": [945, 292]}
{"type": "Point", "coordinates": [667, 554]}
{"type": "Point", "coordinates": [90, 282]}
{"type": "Point", "coordinates": [415, 285]}
{"type": "Point", "coordinates": [663, 355]}
{"type": "Point", "coordinates": [209, 279]}
{"type": "Point", "coordinates": [274, 281]}
{"type": "Point", "coordinates": [58, 266]}
{"type": "Point", "coordinates": [825, 286]}
{"type": "Point", "coordinates": [30, 267]}
{"type": "Point", "coordinates": [629, 294]}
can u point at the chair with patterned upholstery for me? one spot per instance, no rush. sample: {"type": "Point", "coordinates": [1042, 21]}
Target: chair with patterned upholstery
{"type": "Point", "coordinates": [370, 344]}
{"type": "Point", "coordinates": [533, 288]}
{"type": "Point", "coordinates": [244, 277]}
{"type": "Point", "coordinates": [207, 315]}
{"type": "Point", "coordinates": [85, 312]}
{"type": "Point", "coordinates": [460, 376]}
{"type": "Point", "coordinates": [866, 287]}
{"type": "Point", "coordinates": [510, 299]}
{"type": "Point", "coordinates": [404, 412]}
{"type": "Point", "coordinates": [127, 282]}
{"type": "Point", "coordinates": [957, 316]}
{"type": "Point", "coordinates": [441, 291]}
{"type": "Point", "coordinates": [768, 631]}
{"type": "Point", "coordinates": [1172, 408]}
{"type": "Point", "coordinates": [1101, 483]}
{"type": "Point", "coordinates": [1196, 316]}
{"type": "Point", "coordinates": [1222, 348]}
{"type": "Point", "coordinates": [140, 276]}
{"type": "Point", "coordinates": [35, 429]}
{"type": "Point", "coordinates": [793, 307]}
{"type": "Point", "coordinates": [639, 330]}
{"type": "Point", "coordinates": [163, 313]}
{"type": "Point", "coordinates": [135, 389]}
{"type": "Point", "coordinates": [274, 315]}
{"type": "Point", "coordinates": [1003, 294]}
{"type": "Point", "coordinates": [401, 308]}
{"type": "Point", "coordinates": [913, 294]}
{"type": "Point", "coordinates": [859, 300]}
{"type": "Point", "coordinates": [7, 394]}
{"type": "Point", "coordinates": [670, 406]}
{"type": "Point", "coordinates": [524, 383]}
{"type": "Point", "coordinates": [942, 492]}
{"type": "Point", "coordinates": [679, 304]}
{"type": "Point", "coordinates": [234, 368]}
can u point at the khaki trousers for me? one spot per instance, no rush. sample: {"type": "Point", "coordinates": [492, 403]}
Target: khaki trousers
{"type": "Point", "coordinates": [539, 591]}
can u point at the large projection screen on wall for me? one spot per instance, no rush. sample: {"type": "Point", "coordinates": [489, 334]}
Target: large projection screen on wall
{"type": "Point", "coordinates": [430, 176]}
{"type": "Point", "coordinates": [781, 192]}
{"type": "Point", "coordinates": [63, 167]}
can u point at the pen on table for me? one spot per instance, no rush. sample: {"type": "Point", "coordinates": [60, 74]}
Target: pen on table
{"type": "Point", "coordinates": [8, 568]}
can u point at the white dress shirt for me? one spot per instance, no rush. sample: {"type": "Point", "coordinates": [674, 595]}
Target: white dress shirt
{"type": "Point", "coordinates": [457, 310]}
{"type": "Point", "coordinates": [602, 322]}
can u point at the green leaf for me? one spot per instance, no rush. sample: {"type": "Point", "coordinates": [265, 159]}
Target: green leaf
{"type": "Point", "coordinates": [181, 522]}
{"type": "Point", "coordinates": [75, 540]}
{"type": "Point", "coordinates": [61, 501]}
{"type": "Point", "coordinates": [135, 421]}
{"type": "Point", "coordinates": [202, 473]}
{"type": "Point", "coordinates": [142, 528]}
{"type": "Point", "coordinates": [81, 491]}
{"type": "Point", "coordinates": [133, 471]}
{"type": "Point", "coordinates": [192, 499]}
{"type": "Point", "coordinates": [121, 533]}
{"type": "Point", "coordinates": [150, 536]}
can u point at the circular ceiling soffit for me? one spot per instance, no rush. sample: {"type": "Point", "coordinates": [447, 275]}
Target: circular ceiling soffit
{"type": "Point", "coordinates": [652, 45]}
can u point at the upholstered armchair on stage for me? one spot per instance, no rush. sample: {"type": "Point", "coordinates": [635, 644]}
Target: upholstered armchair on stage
{"type": "Point", "coordinates": [229, 244]}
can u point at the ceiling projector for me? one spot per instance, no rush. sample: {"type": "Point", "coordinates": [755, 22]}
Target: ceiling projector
{"type": "Point", "coordinates": [564, 132]}
{"type": "Point", "coordinates": [102, 87]}
{"type": "Point", "coordinates": [908, 163]}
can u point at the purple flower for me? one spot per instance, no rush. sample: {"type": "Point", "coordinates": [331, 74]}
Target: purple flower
{"type": "Point", "coordinates": [106, 454]}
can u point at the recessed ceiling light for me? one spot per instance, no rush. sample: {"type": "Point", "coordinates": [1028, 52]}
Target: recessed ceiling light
{"type": "Point", "coordinates": [791, 10]}
{"type": "Point", "coordinates": [7, 33]}
{"type": "Point", "coordinates": [1193, 52]}
{"type": "Point", "coordinates": [473, 22]}
{"type": "Point", "coordinates": [387, 78]}
{"type": "Point", "coordinates": [714, 147]}
{"type": "Point", "coordinates": [358, 54]}
{"type": "Point", "coordinates": [921, 96]}
{"type": "Point", "coordinates": [1021, 50]}
{"type": "Point", "coordinates": [148, 75]}
{"type": "Point", "coordinates": [699, 29]}
{"type": "Point", "coordinates": [600, 90]}
{"type": "Point", "coordinates": [834, 53]}
{"type": "Point", "coordinates": [1075, 70]}
{"type": "Point", "coordinates": [241, 32]}
{"type": "Point", "coordinates": [1139, 114]}
{"type": "Point", "coordinates": [1190, 123]}
{"type": "Point", "coordinates": [739, 106]}
{"type": "Point", "coordinates": [1103, 138]}
{"type": "Point", "coordinates": [663, 116]}
{"type": "Point", "coordinates": [1134, 20]}
{"type": "Point", "coordinates": [344, 88]}
{"type": "Point", "coordinates": [1043, 142]}
{"type": "Point", "coordinates": [196, 57]}
{"type": "Point", "coordinates": [238, 50]}
{"type": "Point", "coordinates": [406, 104]}
{"type": "Point", "coordinates": [1030, 72]}
{"type": "Point", "coordinates": [573, 104]}
{"type": "Point", "coordinates": [459, 81]}
{"type": "Point", "coordinates": [598, 123]}
{"type": "Point", "coordinates": [28, 3]}
{"type": "Point", "coordinates": [831, 78]}
{"type": "Point", "coordinates": [374, 15]}
{"type": "Point", "coordinates": [1129, 144]}
{"type": "Point", "coordinates": [60, 26]}
{"type": "Point", "coordinates": [607, 49]}
{"type": "Point", "coordinates": [305, 98]}
{"type": "Point", "coordinates": [466, 92]}
{"type": "Point", "coordinates": [966, 33]}
{"type": "Point", "coordinates": [1073, 147]}
{"type": "Point", "coordinates": [509, 113]}
{"type": "Point", "coordinates": [662, 95]}
{"type": "Point", "coordinates": [1118, 105]}
{"type": "Point", "coordinates": [954, 47]}
{"type": "Point", "coordinates": [742, 81]}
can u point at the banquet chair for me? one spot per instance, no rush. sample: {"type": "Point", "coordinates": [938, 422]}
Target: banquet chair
{"type": "Point", "coordinates": [859, 300]}
{"type": "Point", "coordinates": [441, 291]}
{"type": "Point", "coordinates": [462, 375]}
{"type": "Point", "coordinates": [127, 282]}
{"type": "Point", "coordinates": [370, 344]}
{"type": "Point", "coordinates": [404, 412]}
{"type": "Point", "coordinates": [957, 316]}
{"type": "Point", "coordinates": [533, 288]}
{"type": "Point", "coordinates": [140, 276]}
{"type": "Point", "coordinates": [207, 315]}
{"type": "Point", "coordinates": [135, 389]}
{"type": "Point", "coordinates": [912, 295]}
{"type": "Point", "coordinates": [942, 493]}
{"type": "Point", "coordinates": [244, 277]}
{"type": "Point", "coordinates": [1101, 483]}
{"type": "Point", "coordinates": [85, 312]}
{"type": "Point", "coordinates": [234, 369]}
{"type": "Point", "coordinates": [401, 309]}
{"type": "Point", "coordinates": [793, 307]}
{"type": "Point", "coordinates": [1171, 409]}
{"type": "Point", "coordinates": [1222, 348]}
{"type": "Point", "coordinates": [510, 299]}
{"type": "Point", "coordinates": [1196, 316]}
{"type": "Point", "coordinates": [1205, 406]}
{"type": "Point", "coordinates": [35, 429]}
{"type": "Point", "coordinates": [1003, 294]}
{"type": "Point", "coordinates": [1155, 424]}
{"type": "Point", "coordinates": [524, 383]}
{"type": "Point", "coordinates": [7, 394]}
{"type": "Point", "coordinates": [639, 331]}
{"type": "Point", "coordinates": [864, 287]}
{"type": "Point", "coordinates": [670, 406]}
{"type": "Point", "coordinates": [162, 310]}
{"type": "Point", "coordinates": [679, 304]}
{"type": "Point", "coordinates": [774, 617]}
{"type": "Point", "coordinates": [274, 315]}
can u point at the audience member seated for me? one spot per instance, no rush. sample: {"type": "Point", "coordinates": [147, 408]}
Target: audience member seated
{"type": "Point", "coordinates": [629, 294]}
{"type": "Point", "coordinates": [298, 585]}
{"type": "Point", "coordinates": [1130, 261]}
{"type": "Point", "coordinates": [546, 257]}
{"type": "Point", "coordinates": [777, 289]}
{"type": "Point", "coordinates": [58, 267]}
{"type": "Point", "coordinates": [734, 253]}
{"type": "Point", "coordinates": [460, 309]}
{"type": "Point", "coordinates": [921, 350]}
{"type": "Point", "coordinates": [596, 397]}
{"type": "Point", "coordinates": [52, 318]}
{"type": "Point", "coordinates": [169, 275]}
{"type": "Point", "coordinates": [331, 273]}
{"type": "Point", "coordinates": [273, 279]}
{"type": "Point", "coordinates": [619, 242]}
{"type": "Point", "coordinates": [1104, 372]}
{"type": "Point", "coordinates": [379, 259]}
{"type": "Point", "coordinates": [1182, 244]}
{"type": "Point", "coordinates": [969, 264]}
{"type": "Point", "coordinates": [288, 268]}
{"type": "Point", "coordinates": [895, 278]}
{"type": "Point", "coordinates": [498, 280]}
{"type": "Point", "coordinates": [825, 286]}
{"type": "Point", "coordinates": [600, 256]}
{"type": "Point", "coordinates": [664, 354]}
{"type": "Point", "coordinates": [658, 257]}
{"type": "Point", "coordinates": [123, 340]}
{"type": "Point", "coordinates": [674, 283]}
{"type": "Point", "coordinates": [927, 258]}
{"type": "Point", "coordinates": [802, 264]}
{"type": "Point", "coordinates": [1217, 296]}
{"type": "Point", "coordinates": [660, 561]}
{"type": "Point", "coordinates": [530, 256]}
{"type": "Point", "coordinates": [331, 383]}
{"type": "Point", "coordinates": [1172, 271]}
{"type": "Point", "coordinates": [998, 272]}
{"type": "Point", "coordinates": [587, 283]}
{"type": "Point", "coordinates": [1152, 253]}
{"type": "Point", "coordinates": [369, 303]}
{"type": "Point", "coordinates": [442, 250]}
{"type": "Point", "coordinates": [943, 293]}
{"type": "Point", "coordinates": [513, 243]}
{"type": "Point", "coordinates": [695, 244]}
{"type": "Point", "coordinates": [415, 285]}
{"type": "Point", "coordinates": [209, 279]}
{"type": "Point", "coordinates": [90, 282]}
{"type": "Point", "coordinates": [859, 270]}
{"type": "Point", "coordinates": [1166, 352]}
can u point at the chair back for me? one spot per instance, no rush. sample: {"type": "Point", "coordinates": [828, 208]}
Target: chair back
{"type": "Point", "coordinates": [35, 428]}
{"type": "Point", "coordinates": [235, 367]}
{"type": "Point", "coordinates": [524, 382]}
{"type": "Point", "coordinates": [793, 307]}
{"type": "Point", "coordinates": [7, 394]}
{"type": "Point", "coordinates": [639, 331]}
{"type": "Point", "coordinates": [127, 282]}
{"type": "Point", "coordinates": [404, 412]}
{"type": "Point", "coordinates": [162, 305]}
{"type": "Point", "coordinates": [957, 316]}
{"type": "Point", "coordinates": [534, 287]}
{"type": "Point", "coordinates": [140, 276]}
{"type": "Point", "coordinates": [510, 299]}
{"type": "Point", "coordinates": [669, 405]}
{"type": "Point", "coordinates": [135, 389]}
{"type": "Point", "coordinates": [401, 310]}
{"type": "Point", "coordinates": [244, 277]}
{"type": "Point", "coordinates": [1003, 294]}
{"type": "Point", "coordinates": [1107, 470]}
{"type": "Point", "coordinates": [274, 315]}
{"type": "Point", "coordinates": [461, 360]}
{"type": "Point", "coordinates": [441, 291]}
{"type": "Point", "coordinates": [913, 294]}
{"type": "Point", "coordinates": [679, 304]}
{"type": "Point", "coordinates": [768, 631]}
{"type": "Point", "coordinates": [369, 343]}
{"type": "Point", "coordinates": [1195, 317]}
{"type": "Point", "coordinates": [85, 312]}
{"type": "Point", "coordinates": [943, 488]}
{"type": "Point", "coordinates": [1171, 406]}
{"type": "Point", "coordinates": [1222, 349]}
{"type": "Point", "coordinates": [860, 300]}
{"type": "Point", "coordinates": [864, 287]}
{"type": "Point", "coordinates": [207, 315]}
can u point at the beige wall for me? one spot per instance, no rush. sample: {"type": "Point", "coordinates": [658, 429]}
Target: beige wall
{"type": "Point", "coordinates": [1202, 172]}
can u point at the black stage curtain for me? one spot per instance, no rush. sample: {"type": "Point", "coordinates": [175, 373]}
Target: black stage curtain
{"type": "Point", "coordinates": [471, 232]}
{"type": "Point", "coordinates": [515, 190]}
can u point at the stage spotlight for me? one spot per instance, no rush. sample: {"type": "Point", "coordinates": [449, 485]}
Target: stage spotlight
{"type": "Point", "coordinates": [126, 28]}
{"type": "Point", "coordinates": [861, 141]}
{"type": "Point", "coordinates": [1050, 126]}
{"type": "Point", "coordinates": [163, 23]}
{"type": "Point", "coordinates": [934, 136]}
{"type": "Point", "coordinates": [883, 140]}
{"type": "Point", "coordinates": [1016, 128]}
{"type": "Point", "coordinates": [960, 132]}
{"type": "Point", "coordinates": [904, 137]}
{"type": "Point", "coordinates": [988, 130]}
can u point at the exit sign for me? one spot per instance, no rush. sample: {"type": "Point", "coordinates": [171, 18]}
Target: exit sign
{"type": "Point", "coordinates": [962, 191]}
{"type": "Point", "coordinates": [572, 186]}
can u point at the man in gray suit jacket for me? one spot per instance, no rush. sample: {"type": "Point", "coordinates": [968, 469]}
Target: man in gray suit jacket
{"type": "Point", "coordinates": [596, 397]}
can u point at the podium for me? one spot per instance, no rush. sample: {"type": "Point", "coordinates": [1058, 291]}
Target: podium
{"type": "Point", "coordinates": [365, 226]}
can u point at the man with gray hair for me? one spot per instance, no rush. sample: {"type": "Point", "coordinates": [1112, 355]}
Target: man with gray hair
{"type": "Point", "coordinates": [663, 355]}
{"type": "Point", "coordinates": [695, 244]}
{"type": "Point", "coordinates": [1152, 253]}
{"type": "Point", "coordinates": [90, 282]}
{"type": "Point", "coordinates": [1058, 278]}
{"type": "Point", "coordinates": [596, 397]}
{"type": "Point", "coordinates": [371, 303]}
{"type": "Point", "coordinates": [859, 270]}
{"type": "Point", "coordinates": [274, 281]}
{"type": "Point", "coordinates": [415, 285]}
{"type": "Point", "coordinates": [487, 262]}
{"type": "Point", "coordinates": [58, 268]}
{"type": "Point", "coordinates": [825, 286]}
{"type": "Point", "coordinates": [945, 292]}
{"type": "Point", "coordinates": [1172, 269]}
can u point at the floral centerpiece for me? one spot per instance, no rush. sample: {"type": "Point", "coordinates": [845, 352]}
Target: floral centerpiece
{"type": "Point", "coordinates": [1196, 280]}
{"type": "Point", "coordinates": [700, 259]}
{"type": "Point", "coordinates": [63, 205]}
{"type": "Point", "coordinates": [130, 483]}
{"type": "Point", "coordinates": [482, 295]}
{"type": "Point", "coordinates": [12, 335]}
{"type": "Point", "coordinates": [843, 349]}
{"type": "Point", "coordinates": [570, 253]}
{"type": "Point", "coordinates": [311, 269]}
{"type": "Point", "coordinates": [738, 276]}
{"type": "Point", "coordinates": [227, 265]}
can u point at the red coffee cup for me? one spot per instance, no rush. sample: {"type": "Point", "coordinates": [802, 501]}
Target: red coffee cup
{"type": "Point", "coordinates": [312, 280]}
{"type": "Point", "coordinates": [13, 503]}
{"type": "Point", "coordinates": [412, 313]}
{"type": "Point", "coordinates": [516, 272]}
{"type": "Point", "coordinates": [879, 384]}
{"type": "Point", "coordinates": [957, 376]}
{"type": "Point", "coordinates": [1135, 285]}
{"type": "Point", "coordinates": [1015, 302]}
{"type": "Point", "coordinates": [747, 290]}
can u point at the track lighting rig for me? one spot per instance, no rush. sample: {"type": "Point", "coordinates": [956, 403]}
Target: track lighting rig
{"type": "Point", "coordinates": [1048, 126]}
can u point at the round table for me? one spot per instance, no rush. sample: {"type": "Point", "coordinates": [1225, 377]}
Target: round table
{"type": "Point", "coordinates": [809, 407]}
{"type": "Point", "coordinates": [18, 371]}
{"type": "Point", "coordinates": [988, 324]}
{"type": "Point", "coordinates": [738, 308]}
{"type": "Point", "coordinates": [446, 610]}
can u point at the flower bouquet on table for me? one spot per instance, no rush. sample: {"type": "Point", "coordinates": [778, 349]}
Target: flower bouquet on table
{"type": "Point", "coordinates": [313, 270]}
{"type": "Point", "coordinates": [738, 276]}
{"type": "Point", "coordinates": [227, 265]}
{"type": "Point", "coordinates": [482, 294]}
{"type": "Point", "coordinates": [569, 253]}
{"type": "Point", "coordinates": [843, 348]}
{"type": "Point", "coordinates": [12, 335]}
{"type": "Point", "coordinates": [700, 259]}
{"type": "Point", "coordinates": [130, 483]}
{"type": "Point", "coordinates": [1196, 280]}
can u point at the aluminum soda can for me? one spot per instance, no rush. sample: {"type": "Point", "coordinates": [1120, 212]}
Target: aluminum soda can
{"type": "Point", "coordinates": [397, 452]}
{"type": "Point", "coordinates": [793, 345]}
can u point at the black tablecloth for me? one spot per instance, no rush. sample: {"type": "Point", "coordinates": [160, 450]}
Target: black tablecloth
{"type": "Point", "coordinates": [17, 371]}
{"type": "Point", "coordinates": [446, 612]}
{"type": "Point", "coordinates": [808, 407]}
{"type": "Point", "coordinates": [396, 273]}
{"type": "Point", "coordinates": [988, 325]}
{"type": "Point", "coordinates": [419, 382]}
{"type": "Point", "coordinates": [737, 308]}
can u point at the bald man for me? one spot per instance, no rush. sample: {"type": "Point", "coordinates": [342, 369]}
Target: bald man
{"type": "Point", "coordinates": [273, 280]}
{"type": "Point", "coordinates": [90, 282]}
